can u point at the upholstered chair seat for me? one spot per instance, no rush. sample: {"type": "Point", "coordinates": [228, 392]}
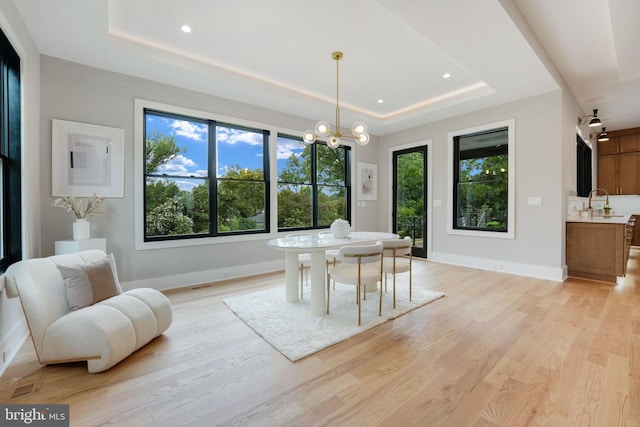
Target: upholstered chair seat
{"type": "Point", "coordinates": [360, 266]}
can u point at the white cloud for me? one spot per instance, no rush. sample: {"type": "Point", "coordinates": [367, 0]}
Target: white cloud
{"type": "Point", "coordinates": [190, 130]}
{"type": "Point", "coordinates": [233, 136]}
{"type": "Point", "coordinates": [180, 165]}
{"type": "Point", "coordinates": [287, 148]}
{"type": "Point", "coordinates": [187, 185]}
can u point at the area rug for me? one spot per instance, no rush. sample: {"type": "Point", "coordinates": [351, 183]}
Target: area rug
{"type": "Point", "coordinates": [294, 332]}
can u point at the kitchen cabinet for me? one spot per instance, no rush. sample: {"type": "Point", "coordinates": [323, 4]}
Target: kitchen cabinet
{"type": "Point", "coordinates": [619, 162]}
{"type": "Point", "coordinates": [598, 249]}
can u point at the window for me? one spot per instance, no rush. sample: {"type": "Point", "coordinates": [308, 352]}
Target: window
{"type": "Point", "coordinates": [313, 184]}
{"type": "Point", "coordinates": [10, 161]}
{"type": "Point", "coordinates": [583, 167]}
{"type": "Point", "coordinates": [203, 178]}
{"type": "Point", "coordinates": [483, 180]}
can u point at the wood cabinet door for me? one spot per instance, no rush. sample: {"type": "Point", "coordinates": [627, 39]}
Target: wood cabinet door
{"type": "Point", "coordinates": [629, 143]}
{"type": "Point", "coordinates": [628, 174]}
{"type": "Point", "coordinates": [607, 167]}
{"type": "Point", "coordinates": [608, 147]}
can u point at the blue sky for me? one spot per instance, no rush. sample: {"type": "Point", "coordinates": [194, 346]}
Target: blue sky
{"type": "Point", "coordinates": [235, 147]}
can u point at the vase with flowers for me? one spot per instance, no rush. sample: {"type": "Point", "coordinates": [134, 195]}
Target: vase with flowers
{"type": "Point", "coordinates": [82, 211]}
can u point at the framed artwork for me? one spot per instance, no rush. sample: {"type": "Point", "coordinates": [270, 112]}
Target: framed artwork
{"type": "Point", "coordinates": [367, 181]}
{"type": "Point", "coordinates": [86, 160]}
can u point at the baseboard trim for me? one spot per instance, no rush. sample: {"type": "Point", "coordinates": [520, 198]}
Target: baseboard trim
{"type": "Point", "coordinates": [194, 278]}
{"type": "Point", "coordinates": [529, 270]}
{"type": "Point", "coordinates": [12, 343]}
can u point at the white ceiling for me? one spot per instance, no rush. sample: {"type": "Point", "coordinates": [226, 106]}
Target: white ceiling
{"type": "Point", "coordinates": [277, 54]}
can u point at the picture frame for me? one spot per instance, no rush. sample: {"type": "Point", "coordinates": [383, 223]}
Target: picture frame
{"type": "Point", "coordinates": [86, 159]}
{"type": "Point", "coordinates": [367, 181]}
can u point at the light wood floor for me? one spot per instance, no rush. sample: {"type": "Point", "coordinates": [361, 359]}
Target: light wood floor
{"type": "Point", "coordinates": [498, 350]}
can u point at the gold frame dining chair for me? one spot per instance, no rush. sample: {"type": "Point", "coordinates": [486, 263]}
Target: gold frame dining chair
{"type": "Point", "coordinates": [397, 259]}
{"type": "Point", "coordinates": [360, 265]}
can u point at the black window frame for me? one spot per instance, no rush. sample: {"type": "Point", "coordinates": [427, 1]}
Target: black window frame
{"type": "Point", "coordinates": [315, 184]}
{"type": "Point", "coordinates": [482, 152]}
{"type": "Point", "coordinates": [584, 169]}
{"type": "Point", "coordinates": [10, 143]}
{"type": "Point", "coordinates": [211, 177]}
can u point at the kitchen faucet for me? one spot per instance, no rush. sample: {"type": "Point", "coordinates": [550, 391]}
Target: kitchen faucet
{"type": "Point", "coordinates": [596, 191]}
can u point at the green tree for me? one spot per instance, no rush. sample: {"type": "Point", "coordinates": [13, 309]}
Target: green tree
{"type": "Point", "coordinates": [410, 194]}
{"type": "Point", "coordinates": [168, 219]}
{"type": "Point", "coordinates": [158, 191]}
{"type": "Point", "coordinates": [411, 183]}
{"type": "Point", "coordinates": [241, 196]}
{"type": "Point", "coordinates": [298, 168]}
{"type": "Point", "coordinates": [201, 208]}
{"type": "Point", "coordinates": [160, 149]}
{"type": "Point", "coordinates": [165, 203]}
{"type": "Point", "coordinates": [294, 188]}
{"type": "Point", "coordinates": [330, 165]}
{"type": "Point", "coordinates": [294, 207]}
{"type": "Point", "coordinates": [484, 190]}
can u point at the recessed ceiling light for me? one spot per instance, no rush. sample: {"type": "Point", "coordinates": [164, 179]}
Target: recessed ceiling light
{"type": "Point", "coordinates": [446, 75]}
{"type": "Point", "coordinates": [186, 28]}
{"type": "Point", "coordinates": [380, 101]}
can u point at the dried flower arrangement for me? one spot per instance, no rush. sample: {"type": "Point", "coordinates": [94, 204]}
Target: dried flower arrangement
{"type": "Point", "coordinates": [94, 205]}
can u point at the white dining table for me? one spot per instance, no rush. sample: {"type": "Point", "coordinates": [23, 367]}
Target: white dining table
{"type": "Point", "coordinates": [316, 245]}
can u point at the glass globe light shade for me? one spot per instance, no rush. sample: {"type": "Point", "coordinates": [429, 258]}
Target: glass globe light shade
{"type": "Point", "coordinates": [362, 139]}
{"type": "Point", "coordinates": [308, 137]}
{"type": "Point", "coordinates": [323, 128]}
{"type": "Point", "coordinates": [333, 141]}
{"type": "Point", "coordinates": [359, 128]}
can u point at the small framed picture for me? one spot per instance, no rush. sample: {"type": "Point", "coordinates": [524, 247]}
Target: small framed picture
{"type": "Point", "coordinates": [367, 181]}
{"type": "Point", "coordinates": [86, 160]}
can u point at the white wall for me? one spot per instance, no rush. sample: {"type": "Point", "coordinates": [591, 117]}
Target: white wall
{"type": "Point", "coordinates": [536, 249]}
{"type": "Point", "coordinates": [13, 329]}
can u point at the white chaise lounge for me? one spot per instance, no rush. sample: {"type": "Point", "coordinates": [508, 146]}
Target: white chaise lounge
{"type": "Point", "coordinates": [76, 310]}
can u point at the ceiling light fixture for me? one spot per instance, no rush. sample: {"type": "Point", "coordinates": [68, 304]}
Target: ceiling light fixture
{"type": "Point", "coordinates": [323, 129]}
{"type": "Point", "coordinates": [186, 28]}
{"type": "Point", "coordinates": [603, 136]}
{"type": "Point", "coordinates": [595, 121]}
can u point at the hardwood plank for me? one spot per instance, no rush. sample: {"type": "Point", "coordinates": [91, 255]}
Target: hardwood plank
{"type": "Point", "coordinates": [497, 350]}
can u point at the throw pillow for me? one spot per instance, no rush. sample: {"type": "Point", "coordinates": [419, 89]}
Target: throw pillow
{"type": "Point", "coordinates": [90, 282]}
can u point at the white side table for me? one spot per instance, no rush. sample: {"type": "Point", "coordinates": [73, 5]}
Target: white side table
{"type": "Point", "coordinates": [71, 246]}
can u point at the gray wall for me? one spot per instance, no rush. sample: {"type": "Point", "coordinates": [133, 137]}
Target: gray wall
{"type": "Point", "coordinates": [539, 230]}
{"type": "Point", "coordinates": [88, 95]}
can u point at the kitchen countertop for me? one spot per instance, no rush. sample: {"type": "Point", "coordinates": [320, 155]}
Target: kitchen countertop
{"type": "Point", "coordinates": [612, 219]}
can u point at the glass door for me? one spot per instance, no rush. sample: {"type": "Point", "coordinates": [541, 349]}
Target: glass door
{"type": "Point", "coordinates": [410, 197]}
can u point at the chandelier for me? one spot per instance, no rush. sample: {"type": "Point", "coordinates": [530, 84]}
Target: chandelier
{"type": "Point", "coordinates": [323, 129]}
